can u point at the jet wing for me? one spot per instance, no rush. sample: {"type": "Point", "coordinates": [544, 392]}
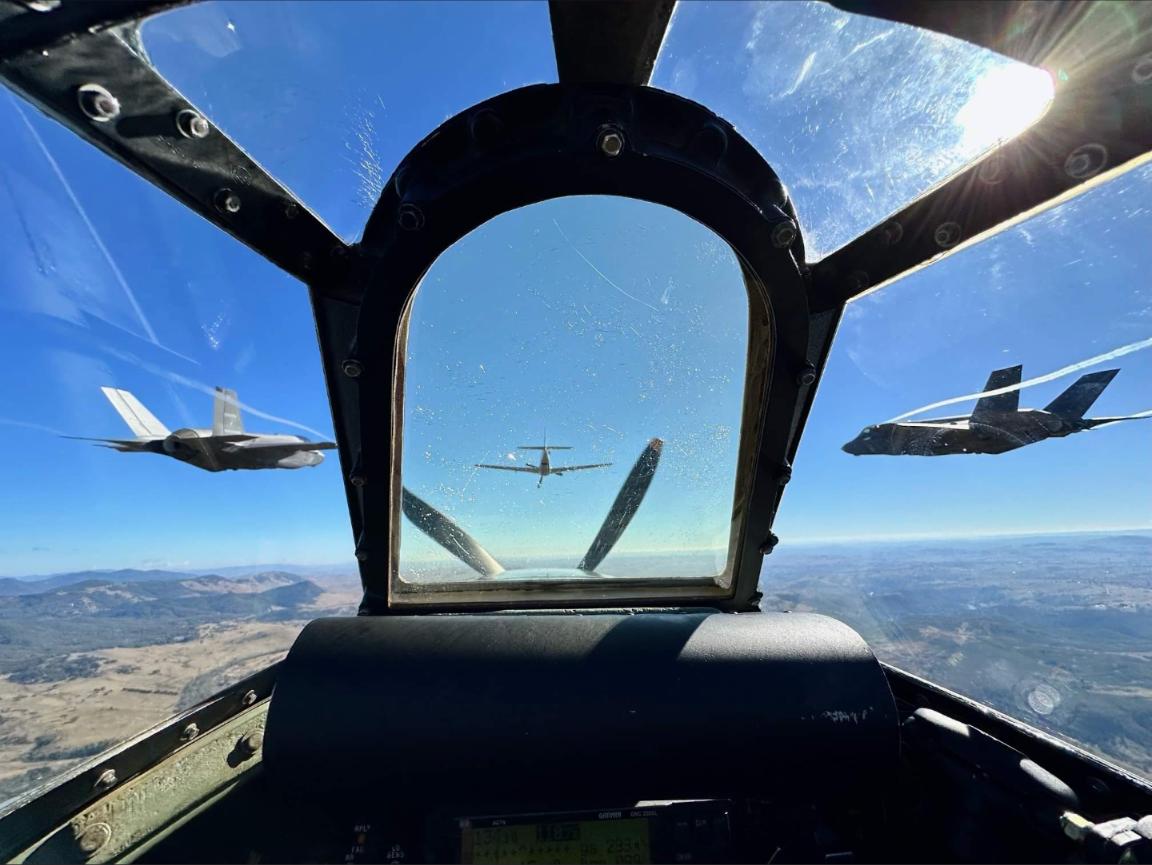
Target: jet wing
{"type": "Point", "coordinates": [279, 449]}
{"type": "Point", "coordinates": [561, 469]}
{"type": "Point", "coordinates": [531, 469]}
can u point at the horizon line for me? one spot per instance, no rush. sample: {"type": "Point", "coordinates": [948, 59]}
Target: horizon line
{"type": "Point", "coordinates": [784, 544]}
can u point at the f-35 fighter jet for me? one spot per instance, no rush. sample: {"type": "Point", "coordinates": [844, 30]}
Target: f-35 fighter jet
{"type": "Point", "coordinates": [996, 425]}
{"type": "Point", "coordinates": [225, 446]}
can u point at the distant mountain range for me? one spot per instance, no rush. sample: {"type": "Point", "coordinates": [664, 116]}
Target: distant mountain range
{"type": "Point", "coordinates": [31, 585]}
{"type": "Point", "coordinates": [42, 630]}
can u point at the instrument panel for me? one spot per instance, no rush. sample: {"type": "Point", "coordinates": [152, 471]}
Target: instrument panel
{"type": "Point", "coordinates": [681, 831]}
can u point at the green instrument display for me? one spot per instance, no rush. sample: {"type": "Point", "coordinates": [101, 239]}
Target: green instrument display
{"type": "Point", "coordinates": [611, 838]}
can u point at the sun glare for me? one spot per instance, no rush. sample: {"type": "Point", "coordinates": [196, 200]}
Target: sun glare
{"type": "Point", "coordinates": [1005, 101]}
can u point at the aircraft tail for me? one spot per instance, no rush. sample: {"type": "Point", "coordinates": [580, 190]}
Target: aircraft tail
{"type": "Point", "coordinates": [1002, 402]}
{"type": "Point", "coordinates": [226, 413]}
{"type": "Point", "coordinates": [1078, 398]}
{"type": "Point", "coordinates": [141, 421]}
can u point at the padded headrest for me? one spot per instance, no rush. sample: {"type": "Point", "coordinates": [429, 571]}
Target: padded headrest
{"type": "Point", "coordinates": [647, 705]}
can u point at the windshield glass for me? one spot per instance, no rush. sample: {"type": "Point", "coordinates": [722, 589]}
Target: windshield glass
{"type": "Point", "coordinates": [859, 116]}
{"type": "Point", "coordinates": [135, 578]}
{"type": "Point", "coordinates": [559, 354]}
{"type": "Point", "coordinates": [347, 86]}
{"type": "Point", "coordinates": [994, 532]}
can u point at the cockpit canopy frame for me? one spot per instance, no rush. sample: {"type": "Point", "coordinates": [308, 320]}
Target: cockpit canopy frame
{"type": "Point", "coordinates": [1099, 55]}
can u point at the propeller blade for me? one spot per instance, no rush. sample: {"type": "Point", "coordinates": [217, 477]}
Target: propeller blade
{"type": "Point", "coordinates": [449, 535]}
{"type": "Point", "coordinates": [627, 502]}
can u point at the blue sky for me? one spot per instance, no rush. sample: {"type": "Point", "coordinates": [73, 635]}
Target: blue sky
{"type": "Point", "coordinates": [103, 280]}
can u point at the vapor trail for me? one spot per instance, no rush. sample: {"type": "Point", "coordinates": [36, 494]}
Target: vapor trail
{"type": "Point", "coordinates": [1063, 371]}
{"type": "Point", "coordinates": [28, 425]}
{"type": "Point", "coordinates": [255, 412]}
{"type": "Point", "coordinates": [599, 272]}
{"type": "Point", "coordinates": [88, 222]}
{"type": "Point", "coordinates": [183, 380]}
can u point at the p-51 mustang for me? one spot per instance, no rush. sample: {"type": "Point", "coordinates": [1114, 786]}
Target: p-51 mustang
{"type": "Point", "coordinates": [225, 446]}
{"type": "Point", "coordinates": [545, 468]}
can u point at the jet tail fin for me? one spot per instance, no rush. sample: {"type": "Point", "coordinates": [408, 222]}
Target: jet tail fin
{"type": "Point", "coordinates": [226, 413]}
{"type": "Point", "coordinates": [141, 421]}
{"type": "Point", "coordinates": [1002, 402]}
{"type": "Point", "coordinates": [1078, 398]}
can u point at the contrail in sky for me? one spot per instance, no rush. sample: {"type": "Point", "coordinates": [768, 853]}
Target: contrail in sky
{"type": "Point", "coordinates": [210, 391]}
{"type": "Point", "coordinates": [91, 228]}
{"type": "Point", "coordinates": [1063, 371]}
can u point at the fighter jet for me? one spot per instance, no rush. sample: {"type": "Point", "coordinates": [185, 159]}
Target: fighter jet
{"type": "Point", "coordinates": [545, 468]}
{"type": "Point", "coordinates": [997, 424]}
{"type": "Point", "coordinates": [225, 446]}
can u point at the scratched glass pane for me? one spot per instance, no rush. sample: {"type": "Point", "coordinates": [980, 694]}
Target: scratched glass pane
{"type": "Point", "coordinates": [592, 326]}
{"type": "Point", "coordinates": [138, 574]}
{"type": "Point", "coordinates": [329, 95]}
{"type": "Point", "coordinates": [860, 116]}
{"type": "Point", "coordinates": [992, 531]}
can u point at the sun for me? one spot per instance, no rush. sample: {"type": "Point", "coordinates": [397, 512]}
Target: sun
{"type": "Point", "coordinates": [1005, 101]}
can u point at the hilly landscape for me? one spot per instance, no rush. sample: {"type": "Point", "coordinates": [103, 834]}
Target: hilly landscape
{"type": "Point", "coordinates": [88, 659]}
{"type": "Point", "coordinates": [1053, 629]}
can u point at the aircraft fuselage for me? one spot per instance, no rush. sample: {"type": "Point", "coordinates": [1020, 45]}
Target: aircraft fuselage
{"type": "Point", "coordinates": [199, 447]}
{"type": "Point", "coordinates": [993, 433]}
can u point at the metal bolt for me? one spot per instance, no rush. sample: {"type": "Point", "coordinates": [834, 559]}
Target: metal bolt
{"type": "Point", "coordinates": [806, 376]}
{"type": "Point", "coordinates": [357, 480]}
{"type": "Point", "coordinates": [610, 141]}
{"type": "Point", "coordinates": [252, 743]}
{"type": "Point", "coordinates": [189, 733]}
{"type": "Point", "coordinates": [227, 201]}
{"type": "Point", "coordinates": [947, 234]}
{"type": "Point", "coordinates": [409, 217]}
{"type": "Point", "coordinates": [893, 233]}
{"type": "Point", "coordinates": [1086, 161]}
{"type": "Point", "coordinates": [1142, 70]}
{"type": "Point", "coordinates": [97, 103]}
{"type": "Point", "coordinates": [486, 127]}
{"type": "Point", "coordinates": [93, 838]}
{"type": "Point", "coordinates": [991, 170]}
{"type": "Point", "coordinates": [361, 555]}
{"type": "Point", "coordinates": [248, 699]}
{"type": "Point", "coordinates": [107, 779]}
{"type": "Point", "coordinates": [784, 234]}
{"type": "Point", "coordinates": [291, 210]}
{"type": "Point", "coordinates": [192, 124]}
{"type": "Point", "coordinates": [352, 368]}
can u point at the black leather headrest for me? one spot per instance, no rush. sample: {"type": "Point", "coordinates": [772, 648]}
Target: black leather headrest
{"type": "Point", "coordinates": [647, 705]}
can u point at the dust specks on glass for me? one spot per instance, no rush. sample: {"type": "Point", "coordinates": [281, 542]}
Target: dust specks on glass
{"type": "Point", "coordinates": [592, 326]}
{"type": "Point", "coordinates": [346, 87]}
{"type": "Point", "coordinates": [933, 103]}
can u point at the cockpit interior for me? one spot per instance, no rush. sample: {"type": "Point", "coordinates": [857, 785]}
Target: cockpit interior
{"type": "Point", "coordinates": [520, 681]}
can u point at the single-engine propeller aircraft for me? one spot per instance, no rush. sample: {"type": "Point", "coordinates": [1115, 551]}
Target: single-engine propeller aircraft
{"type": "Point", "coordinates": [633, 681]}
{"type": "Point", "coordinates": [996, 425]}
{"type": "Point", "coordinates": [225, 446]}
{"type": "Point", "coordinates": [545, 468]}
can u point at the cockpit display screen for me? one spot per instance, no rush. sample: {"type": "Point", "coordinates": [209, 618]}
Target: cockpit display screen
{"type": "Point", "coordinates": [611, 837]}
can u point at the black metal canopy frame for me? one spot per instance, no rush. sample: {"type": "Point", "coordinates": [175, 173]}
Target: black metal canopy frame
{"type": "Point", "coordinates": [80, 62]}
